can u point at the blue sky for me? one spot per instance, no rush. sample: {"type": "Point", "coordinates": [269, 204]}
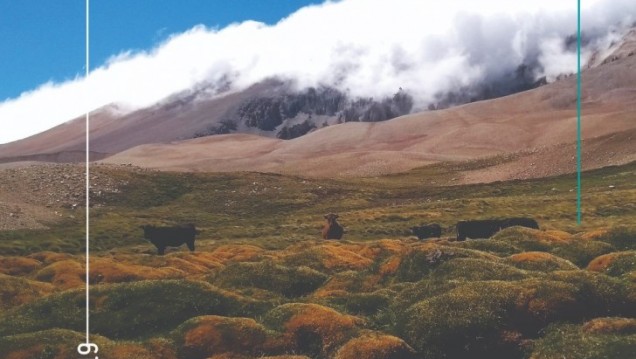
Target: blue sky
{"type": "Point", "coordinates": [43, 40]}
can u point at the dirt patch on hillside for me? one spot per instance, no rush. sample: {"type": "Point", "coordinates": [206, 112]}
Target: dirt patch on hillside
{"type": "Point", "coordinates": [34, 194]}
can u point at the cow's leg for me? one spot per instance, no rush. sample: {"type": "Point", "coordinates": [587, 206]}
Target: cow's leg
{"type": "Point", "coordinates": [191, 246]}
{"type": "Point", "coordinates": [161, 250]}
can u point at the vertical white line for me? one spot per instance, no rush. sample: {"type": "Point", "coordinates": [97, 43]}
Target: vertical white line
{"type": "Point", "coordinates": [579, 157]}
{"type": "Point", "coordinates": [87, 93]}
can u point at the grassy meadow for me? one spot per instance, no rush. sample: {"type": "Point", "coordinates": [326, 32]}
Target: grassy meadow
{"type": "Point", "coordinates": [263, 284]}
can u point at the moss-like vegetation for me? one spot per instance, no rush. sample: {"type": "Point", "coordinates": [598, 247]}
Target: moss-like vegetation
{"type": "Point", "coordinates": [375, 346]}
{"type": "Point", "coordinates": [290, 282]}
{"type": "Point", "coordinates": [579, 342]}
{"type": "Point", "coordinates": [463, 322]}
{"type": "Point", "coordinates": [433, 300]}
{"type": "Point", "coordinates": [576, 250]}
{"type": "Point", "coordinates": [366, 304]}
{"type": "Point", "coordinates": [493, 246]}
{"type": "Point", "coordinates": [614, 264]}
{"type": "Point", "coordinates": [621, 237]}
{"type": "Point", "coordinates": [18, 266]}
{"type": "Point", "coordinates": [329, 258]}
{"type": "Point", "coordinates": [15, 291]}
{"type": "Point", "coordinates": [202, 337]}
{"type": "Point", "coordinates": [47, 344]}
{"type": "Point", "coordinates": [64, 274]}
{"type": "Point", "coordinates": [128, 310]}
{"type": "Point", "coordinates": [62, 344]}
{"type": "Point", "coordinates": [263, 284]}
{"type": "Point", "coordinates": [529, 239]}
{"type": "Point", "coordinates": [473, 269]}
{"type": "Point", "coordinates": [424, 259]}
{"type": "Point", "coordinates": [600, 294]}
{"type": "Point", "coordinates": [312, 329]}
{"type": "Point", "coordinates": [539, 261]}
{"type": "Point", "coordinates": [582, 252]}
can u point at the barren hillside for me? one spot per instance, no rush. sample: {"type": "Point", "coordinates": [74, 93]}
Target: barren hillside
{"type": "Point", "coordinates": [540, 121]}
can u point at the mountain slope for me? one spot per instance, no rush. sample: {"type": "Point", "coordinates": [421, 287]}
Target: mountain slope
{"type": "Point", "coordinates": [527, 121]}
{"type": "Point", "coordinates": [175, 118]}
{"type": "Point", "coordinates": [271, 108]}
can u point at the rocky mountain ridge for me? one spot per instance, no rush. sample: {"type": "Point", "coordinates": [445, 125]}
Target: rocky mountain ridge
{"type": "Point", "coordinates": [288, 114]}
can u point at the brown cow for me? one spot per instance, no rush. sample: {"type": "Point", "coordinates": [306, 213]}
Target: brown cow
{"type": "Point", "coordinates": [332, 230]}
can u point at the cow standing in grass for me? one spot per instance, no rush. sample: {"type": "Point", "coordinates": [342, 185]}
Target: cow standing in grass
{"type": "Point", "coordinates": [427, 231]}
{"type": "Point", "coordinates": [486, 228]}
{"type": "Point", "coordinates": [332, 230]}
{"type": "Point", "coordinates": [163, 237]}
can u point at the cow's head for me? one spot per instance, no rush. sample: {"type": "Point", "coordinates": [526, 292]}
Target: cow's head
{"type": "Point", "coordinates": [147, 230]}
{"type": "Point", "coordinates": [331, 218]}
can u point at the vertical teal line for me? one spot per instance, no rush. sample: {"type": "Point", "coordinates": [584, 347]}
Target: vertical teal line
{"type": "Point", "coordinates": [578, 113]}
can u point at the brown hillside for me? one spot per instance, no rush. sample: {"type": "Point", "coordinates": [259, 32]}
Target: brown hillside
{"type": "Point", "coordinates": [538, 125]}
{"type": "Point", "coordinates": [177, 117]}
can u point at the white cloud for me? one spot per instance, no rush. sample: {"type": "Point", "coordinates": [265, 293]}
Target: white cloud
{"type": "Point", "coordinates": [370, 47]}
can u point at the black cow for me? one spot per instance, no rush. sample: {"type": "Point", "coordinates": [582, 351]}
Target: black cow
{"type": "Point", "coordinates": [427, 231]}
{"type": "Point", "coordinates": [486, 228]}
{"type": "Point", "coordinates": [163, 237]}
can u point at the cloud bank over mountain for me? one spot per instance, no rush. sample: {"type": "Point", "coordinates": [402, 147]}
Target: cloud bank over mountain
{"type": "Point", "coordinates": [364, 47]}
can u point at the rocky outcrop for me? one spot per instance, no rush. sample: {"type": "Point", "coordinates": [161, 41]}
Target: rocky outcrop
{"type": "Point", "coordinates": [522, 79]}
{"type": "Point", "coordinates": [368, 110]}
{"type": "Point", "coordinates": [290, 115]}
{"type": "Point", "coordinates": [222, 128]}
{"type": "Point", "coordinates": [267, 113]}
{"type": "Point", "coordinates": [287, 133]}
